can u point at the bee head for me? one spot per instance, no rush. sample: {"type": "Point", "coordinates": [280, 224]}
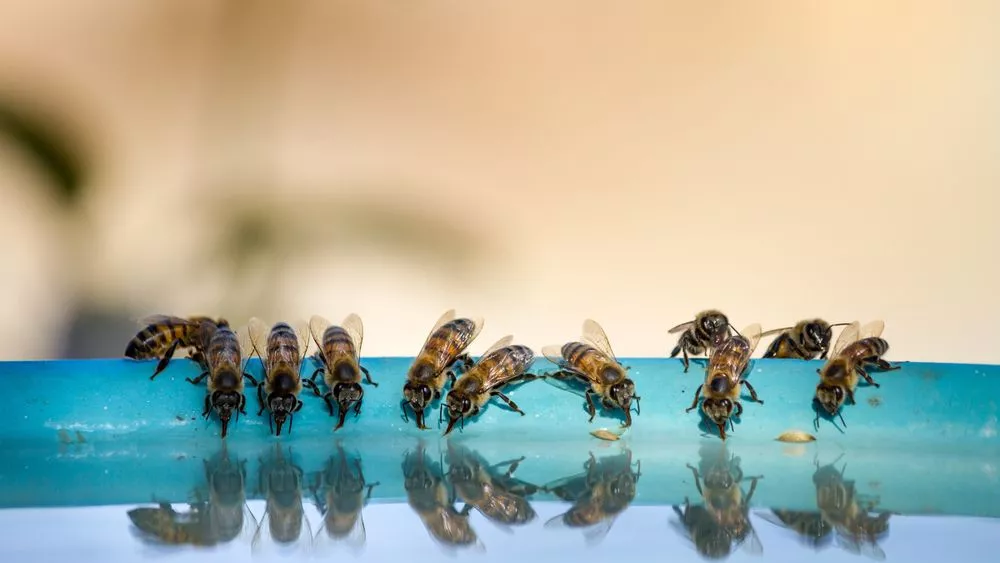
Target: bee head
{"type": "Point", "coordinates": [830, 397]}
{"type": "Point", "coordinates": [418, 395]}
{"type": "Point", "coordinates": [622, 393]}
{"type": "Point", "coordinates": [718, 411]}
{"type": "Point", "coordinates": [282, 406]}
{"type": "Point", "coordinates": [347, 393]}
{"type": "Point", "coordinates": [716, 325]}
{"type": "Point", "coordinates": [816, 334]}
{"type": "Point", "coordinates": [224, 403]}
{"type": "Point", "coordinates": [459, 407]}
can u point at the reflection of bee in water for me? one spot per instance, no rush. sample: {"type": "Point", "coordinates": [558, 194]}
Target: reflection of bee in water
{"type": "Point", "coordinates": [804, 341]}
{"type": "Point", "coordinates": [281, 351]}
{"type": "Point", "coordinates": [225, 370]}
{"type": "Point", "coordinates": [284, 521]}
{"type": "Point", "coordinates": [164, 334]}
{"type": "Point", "coordinates": [599, 495]}
{"type": "Point", "coordinates": [707, 331]}
{"type": "Point", "coordinates": [726, 368]}
{"type": "Point", "coordinates": [592, 362]}
{"type": "Point", "coordinates": [340, 357]}
{"type": "Point", "coordinates": [839, 504]}
{"type": "Point", "coordinates": [499, 366]}
{"type": "Point", "coordinates": [723, 520]}
{"type": "Point", "coordinates": [228, 512]}
{"type": "Point", "coordinates": [429, 497]}
{"type": "Point", "coordinates": [810, 527]}
{"type": "Point", "coordinates": [856, 348]}
{"type": "Point", "coordinates": [167, 526]}
{"type": "Point", "coordinates": [498, 496]}
{"type": "Point", "coordinates": [444, 348]}
{"type": "Point", "coordinates": [341, 493]}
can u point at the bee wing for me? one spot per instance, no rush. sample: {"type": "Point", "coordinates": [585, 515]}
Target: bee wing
{"type": "Point", "coordinates": [499, 374]}
{"type": "Point", "coordinates": [317, 328]}
{"type": "Point", "coordinates": [301, 329]}
{"type": "Point", "coordinates": [502, 343]}
{"type": "Point", "coordinates": [752, 334]}
{"type": "Point", "coordinates": [872, 329]}
{"type": "Point", "coordinates": [594, 335]}
{"type": "Point", "coordinates": [859, 546]}
{"type": "Point", "coordinates": [263, 542]}
{"type": "Point", "coordinates": [751, 544]}
{"type": "Point", "coordinates": [595, 534]}
{"type": "Point", "coordinates": [478, 323]}
{"type": "Point", "coordinates": [354, 327]}
{"type": "Point", "coordinates": [775, 331]}
{"type": "Point", "coordinates": [847, 336]}
{"type": "Point", "coordinates": [257, 332]}
{"type": "Point", "coordinates": [553, 353]}
{"type": "Point", "coordinates": [681, 327]}
{"type": "Point", "coordinates": [354, 540]}
{"type": "Point", "coordinates": [249, 524]}
{"type": "Point", "coordinates": [447, 317]}
{"type": "Point", "coordinates": [160, 319]}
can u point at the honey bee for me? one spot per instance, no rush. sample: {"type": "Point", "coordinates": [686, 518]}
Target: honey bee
{"type": "Point", "coordinates": [166, 526]}
{"type": "Point", "coordinates": [164, 334]}
{"type": "Point", "coordinates": [434, 365]}
{"type": "Point", "coordinates": [592, 362]}
{"type": "Point", "coordinates": [228, 513]}
{"type": "Point", "coordinates": [281, 352]}
{"type": "Point", "coordinates": [707, 331]}
{"type": "Point", "coordinates": [498, 496]}
{"type": "Point", "coordinates": [839, 504]}
{"type": "Point", "coordinates": [857, 347]}
{"type": "Point", "coordinates": [284, 522]}
{"type": "Point", "coordinates": [344, 495]}
{"type": "Point", "coordinates": [804, 341]}
{"type": "Point", "coordinates": [605, 490]}
{"type": "Point", "coordinates": [726, 368]}
{"type": "Point", "coordinates": [723, 520]}
{"type": "Point", "coordinates": [225, 369]}
{"type": "Point", "coordinates": [429, 497]}
{"type": "Point", "coordinates": [499, 366]}
{"type": "Point", "coordinates": [339, 355]}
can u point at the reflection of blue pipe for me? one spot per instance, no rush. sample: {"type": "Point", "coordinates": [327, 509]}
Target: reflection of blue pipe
{"type": "Point", "coordinates": [126, 439]}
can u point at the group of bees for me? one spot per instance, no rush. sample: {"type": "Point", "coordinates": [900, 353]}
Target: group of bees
{"type": "Point", "coordinates": [722, 521]}
{"type": "Point", "coordinates": [598, 495]}
{"type": "Point", "coordinates": [587, 364]}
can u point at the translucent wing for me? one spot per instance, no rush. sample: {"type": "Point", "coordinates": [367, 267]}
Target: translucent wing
{"type": "Point", "coordinates": [751, 544]}
{"type": "Point", "coordinates": [160, 319]}
{"type": "Point", "coordinates": [594, 335]}
{"type": "Point", "coordinates": [354, 540]}
{"type": "Point", "coordinates": [249, 524]}
{"type": "Point", "coordinates": [553, 353]}
{"type": "Point", "coordinates": [264, 542]}
{"type": "Point", "coordinates": [301, 329]}
{"type": "Point", "coordinates": [258, 331]}
{"type": "Point", "coordinates": [502, 343]}
{"type": "Point", "coordinates": [681, 327]}
{"type": "Point", "coordinates": [500, 372]}
{"type": "Point", "coordinates": [353, 325]}
{"type": "Point", "coordinates": [775, 331]}
{"type": "Point", "coordinates": [246, 346]}
{"type": "Point", "coordinates": [444, 319]}
{"type": "Point", "coordinates": [847, 337]}
{"type": "Point", "coordinates": [317, 328]}
{"type": "Point", "coordinates": [752, 334]}
{"type": "Point", "coordinates": [478, 323]}
{"type": "Point", "coordinates": [872, 329]}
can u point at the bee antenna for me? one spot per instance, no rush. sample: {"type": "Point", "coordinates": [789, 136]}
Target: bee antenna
{"type": "Point", "coordinates": [734, 328]}
{"type": "Point", "coordinates": [839, 324]}
{"type": "Point", "coordinates": [841, 415]}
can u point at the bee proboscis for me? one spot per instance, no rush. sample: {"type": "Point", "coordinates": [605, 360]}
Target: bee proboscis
{"type": "Point", "coordinates": [592, 362]}
{"type": "Point", "coordinates": [443, 349]}
{"type": "Point", "coordinates": [162, 335]}
{"type": "Point", "coordinates": [708, 330]}
{"type": "Point", "coordinates": [724, 379]}
{"type": "Point", "coordinates": [856, 348]}
{"type": "Point", "coordinates": [281, 351]}
{"type": "Point", "coordinates": [806, 340]}
{"type": "Point", "coordinates": [225, 369]}
{"type": "Point", "coordinates": [500, 365]}
{"type": "Point", "coordinates": [339, 356]}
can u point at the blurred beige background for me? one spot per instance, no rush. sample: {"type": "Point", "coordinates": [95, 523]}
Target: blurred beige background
{"type": "Point", "coordinates": [535, 163]}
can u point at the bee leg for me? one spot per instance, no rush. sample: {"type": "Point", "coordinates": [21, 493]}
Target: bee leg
{"type": "Point", "coordinates": [687, 363]}
{"type": "Point", "coordinates": [402, 407]}
{"type": "Point", "coordinates": [868, 378]}
{"type": "Point", "coordinates": [198, 379]}
{"type": "Point", "coordinates": [368, 376]}
{"type": "Point", "coordinates": [311, 385]}
{"type": "Point", "coordinates": [340, 421]}
{"type": "Point", "coordinates": [243, 404]}
{"type": "Point", "coordinates": [591, 408]}
{"type": "Point", "coordinates": [739, 410]}
{"type": "Point", "coordinates": [850, 396]}
{"type": "Point", "coordinates": [466, 510]}
{"type": "Point", "coordinates": [465, 360]}
{"type": "Point", "coordinates": [697, 478]}
{"type": "Point", "coordinates": [357, 408]}
{"type": "Point", "coordinates": [162, 365]}
{"type": "Point", "coordinates": [675, 351]}
{"type": "Point", "coordinates": [697, 395]}
{"type": "Point", "coordinates": [507, 400]}
{"type": "Point", "coordinates": [451, 377]}
{"type": "Point", "coordinates": [753, 393]}
{"type": "Point", "coordinates": [315, 374]}
{"type": "Point", "coordinates": [253, 381]}
{"type": "Point", "coordinates": [636, 398]}
{"type": "Point", "coordinates": [208, 406]}
{"type": "Point", "coordinates": [885, 366]}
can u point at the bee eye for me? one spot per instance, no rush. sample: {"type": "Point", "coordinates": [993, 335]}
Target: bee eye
{"type": "Point", "coordinates": [427, 393]}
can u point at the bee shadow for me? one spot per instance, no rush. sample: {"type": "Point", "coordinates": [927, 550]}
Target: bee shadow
{"type": "Point", "coordinates": [822, 414]}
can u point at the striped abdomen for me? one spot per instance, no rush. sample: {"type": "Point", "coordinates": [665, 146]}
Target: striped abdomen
{"type": "Point", "coordinates": [225, 360]}
{"type": "Point", "coordinates": [729, 359]}
{"type": "Point", "coordinates": [337, 345]}
{"type": "Point", "coordinates": [588, 360]}
{"type": "Point", "coordinates": [154, 340]}
{"type": "Point", "coordinates": [283, 352]}
{"type": "Point", "coordinates": [865, 348]}
{"type": "Point", "coordinates": [448, 342]}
